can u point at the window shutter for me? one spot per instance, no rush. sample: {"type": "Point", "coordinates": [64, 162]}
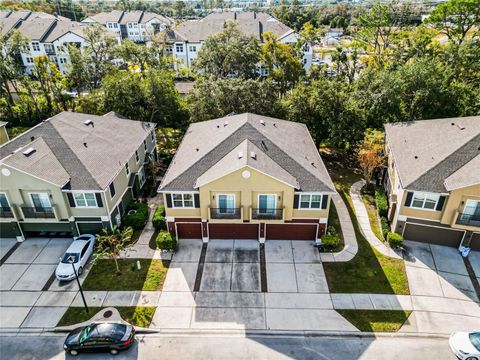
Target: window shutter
{"type": "Point", "coordinates": [70, 200]}
{"type": "Point", "coordinates": [296, 198]}
{"type": "Point", "coordinates": [196, 197]}
{"type": "Point", "coordinates": [408, 200]}
{"type": "Point", "coordinates": [441, 201]}
{"type": "Point", "coordinates": [98, 196]}
{"type": "Point", "coordinates": [169, 200]}
{"type": "Point", "coordinates": [324, 201]}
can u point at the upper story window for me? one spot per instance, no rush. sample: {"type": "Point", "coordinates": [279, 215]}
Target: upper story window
{"type": "Point", "coordinates": [112, 189]}
{"type": "Point", "coordinates": [169, 49]}
{"type": "Point", "coordinates": [145, 145]}
{"type": "Point", "coordinates": [179, 48]}
{"type": "Point", "coordinates": [110, 25]}
{"type": "Point", "coordinates": [310, 201]}
{"type": "Point", "coordinates": [115, 25]}
{"type": "Point", "coordinates": [152, 135]}
{"type": "Point", "coordinates": [35, 46]}
{"type": "Point", "coordinates": [192, 48]}
{"type": "Point", "coordinates": [63, 61]}
{"type": "Point", "coordinates": [422, 200]}
{"type": "Point", "coordinates": [129, 25]}
{"type": "Point", "coordinates": [127, 168]}
{"type": "Point", "coordinates": [137, 156]}
{"type": "Point", "coordinates": [85, 200]}
{"type": "Point", "coordinates": [29, 60]}
{"type": "Point", "coordinates": [40, 201]}
{"type": "Point", "coordinates": [4, 204]}
{"type": "Point", "coordinates": [182, 200]}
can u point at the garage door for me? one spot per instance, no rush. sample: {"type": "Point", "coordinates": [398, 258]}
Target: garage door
{"type": "Point", "coordinates": [8, 230]}
{"type": "Point", "coordinates": [189, 230]}
{"type": "Point", "coordinates": [90, 228]}
{"type": "Point", "coordinates": [291, 231]}
{"type": "Point", "coordinates": [432, 235]}
{"type": "Point", "coordinates": [46, 230]}
{"type": "Point", "coordinates": [475, 242]}
{"type": "Point", "coordinates": [233, 231]}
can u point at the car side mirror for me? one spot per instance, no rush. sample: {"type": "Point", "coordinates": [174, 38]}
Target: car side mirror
{"type": "Point", "coordinates": [60, 258]}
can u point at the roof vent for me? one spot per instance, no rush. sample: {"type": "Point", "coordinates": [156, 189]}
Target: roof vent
{"type": "Point", "coordinates": [32, 138]}
{"type": "Point", "coordinates": [225, 123]}
{"type": "Point", "coordinates": [253, 155]}
{"type": "Point", "coordinates": [275, 124]}
{"type": "Point", "coordinates": [240, 154]}
{"type": "Point", "coordinates": [461, 127]}
{"type": "Point", "coordinates": [416, 157]}
{"type": "Point", "coordinates": [262, 122]}
{"type": "Point", "coordinates": [197, 149]}
{"type": "Point", "coordinates": [85, 144]}
{"type": "Point", "coordinates": [218, 126]}
{"type": "Point", "coordinates": [29, 151]}
{"type": "Point", "coordinates": [88, 122]}
{"type": "Point", "coordinates": [453, 124]}
{"type": "Point", "coordinates": [313, 164]}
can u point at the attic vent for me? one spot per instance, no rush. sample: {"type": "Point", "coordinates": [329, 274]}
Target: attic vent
{"type": "Point", "coordinates": [275, 124]}
{"type": "Point", "coordinates": [253, 155]}
{"type": "Point", "coordinates": [262, 122]}
{"type": "Point", "coordinates": [88, 122]}
{"type": "Point", "coordinates": [461, 127]}
{"type": "Point", "coordinates": [32, 138]}
{"type": "Point", "coordinates": [416, 157]}
{"type": "Point", "coordinates": [225, 123]}
{"type": "Point", "coordinates": [29, 151]}
{"type": "Point", "coordinates": [197, 149]}
{"type": "Point", "coordinates": [240, 154]}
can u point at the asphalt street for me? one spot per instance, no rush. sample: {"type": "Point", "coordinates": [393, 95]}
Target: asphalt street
{"type": "Point", "coordinates": [241, 347]}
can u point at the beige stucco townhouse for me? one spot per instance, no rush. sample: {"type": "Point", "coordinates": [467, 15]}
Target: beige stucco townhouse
{"type": "Point", "coordinates": [433, 180]}
{"type": "Point", "coordinates": [72, 173]}
{"type": "Point", "coordinates": [247, 177]}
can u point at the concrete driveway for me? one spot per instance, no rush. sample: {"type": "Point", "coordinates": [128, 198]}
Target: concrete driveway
{"type": "Point", "coordinates": [436, 270]}
{"type": "Point", "coordinates": [229, 282]}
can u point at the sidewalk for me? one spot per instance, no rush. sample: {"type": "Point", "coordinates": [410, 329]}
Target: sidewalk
{"type": "Point", "coordinates": [364, 222]}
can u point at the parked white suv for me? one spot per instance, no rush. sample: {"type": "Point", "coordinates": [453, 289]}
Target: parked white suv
{"type": "Point", "coordinates": [466, 346]}
{"type": "Point", "coordinates": [80, 250]}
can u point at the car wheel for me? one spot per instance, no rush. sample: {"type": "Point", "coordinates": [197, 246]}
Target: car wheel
{"type": "Point", "coordinates": [113, 351]}
{"type": "Point", "coordinates": [73, 352]}
{"type": "Point", "coordinates": [80, 270]}
{"type": "Point", "coordinates": [471, 358]}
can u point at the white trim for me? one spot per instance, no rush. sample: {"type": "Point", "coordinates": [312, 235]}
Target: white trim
{"type": "Point", "coordinates": [258, 201]}
{"type": "Point", "coordinates": [183, 202]}
{"type": "Point", "coordinates": [86, 206]}
{"type": "Point", "coordinates": [425, 194]}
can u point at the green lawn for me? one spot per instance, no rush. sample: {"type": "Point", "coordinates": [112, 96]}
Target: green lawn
{"type": "Point", "coordinates": [103, 275]}
{"type": "Point", "coordinates": [334, 221]}
{"type": "Point", "coordinates": [369, 201]}
{"type": "Point", "coordinates": [376, 320]}
{"type": "Point", "coordinates": [369, 271]}
{"type": "Point", "coordinates": [136, 315]}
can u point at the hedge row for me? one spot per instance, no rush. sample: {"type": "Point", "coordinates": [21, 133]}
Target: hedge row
{"type": "Point", "coordinates": [159, 222]}
{"type": "Point", "coordinates": [166, 241]}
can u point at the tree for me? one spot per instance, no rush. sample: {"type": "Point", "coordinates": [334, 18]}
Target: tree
{"type": "Point", "coordinates": [142, 57]}
{"type": "Point", "coordinates": [51, 84]}
{"type": "Point", "coordinates": [456, 19]}
{"type": "Point", "coordinates": [370, 153]}
{"type": "Point", "coordinates": [282, 62]}
{"type": "Point", "coordinates": [214, 98]}
{"type": "Point", "coordinates": [346, 63]}
{"type": "Point", "coordinates": [111, 243]}
{"type": "Point", "coordinates": [229, 53]}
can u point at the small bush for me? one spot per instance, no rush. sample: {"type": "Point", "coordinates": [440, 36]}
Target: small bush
{"type": "Point", "coordinates": [166, 241]}
{"type": "Point", "coordinates": [385, 226]}
{"type": "Point", "coordinates": [331, 230]}
{"type": "Point", "coordinates": [381, 202]}
{"type": "Point", "coordinates": [159, 222]}
{"type": "Point", "coordinates": [330, 240]}
{"type": "Point", "coordinates": [394, 240]}
{"type": "Point", "coordinates": [138, 219]}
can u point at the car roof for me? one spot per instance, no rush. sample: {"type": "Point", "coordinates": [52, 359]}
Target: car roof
{"type": "Point", "coordinates": [77, 245]}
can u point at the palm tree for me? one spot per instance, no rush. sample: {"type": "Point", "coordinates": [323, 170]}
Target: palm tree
{"type": "Point", "coordinates": [111, 243]}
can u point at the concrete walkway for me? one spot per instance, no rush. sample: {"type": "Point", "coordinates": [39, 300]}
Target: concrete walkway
{"type": "Point", "coordinates": [364, 222]}
{"type": "Point", "coordinates": [351, 245]}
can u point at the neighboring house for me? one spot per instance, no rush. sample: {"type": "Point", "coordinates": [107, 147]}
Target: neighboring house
{"type": "Point", "coordinates": [47, 35]}
{"type": "Point", "coordinates": [332, 37]}
{"type": "Point", "coordinates": [138, 26]}
{"type": "Point", "coordinates": [187, 38]}
{"type": "Point", "coordinates": [433, 180]}
{"type": "Point", "coordinates": [3, 132]}
{"type": "Point", "coordinates": [247, 177]}
{"type": "Point", "coordinates": [73, 173]}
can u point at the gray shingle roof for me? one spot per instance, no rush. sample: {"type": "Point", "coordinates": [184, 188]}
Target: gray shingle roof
{"type": "Point", "coordinates": [285, 143]}
{"type": "Point", "coordinates": [251, 23]}
{"type": "Point", "coordinates": [429, 153]}
{"type": "Point", "coordinates": [90, 155]}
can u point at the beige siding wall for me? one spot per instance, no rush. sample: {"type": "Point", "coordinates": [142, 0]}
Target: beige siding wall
{"type": "Point", "coordinates": [3, 135]}
{"type": "Point", "coordinates": [178, 212]}
{"type": "Point", "coordinates": [311, 214]}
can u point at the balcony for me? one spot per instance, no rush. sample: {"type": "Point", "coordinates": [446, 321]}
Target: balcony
{"type": "Point", "coordinates": [267, 214]}
{"type": "Point", "coordinates": [38, 213]}
{"type": "Point", "coordinates": [6, 213]}
{"type": "Point", "coordinates": [225, 214]}
{"type": "Point", "coordinates": [468, 220]}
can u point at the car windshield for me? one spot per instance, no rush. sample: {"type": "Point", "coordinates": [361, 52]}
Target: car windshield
{"type": "Point", "coordinates": [85, 334]}
{"type": "Point", "coordinates": [475, 339]}
{"type": "Point", "coordinates": [67, 255]}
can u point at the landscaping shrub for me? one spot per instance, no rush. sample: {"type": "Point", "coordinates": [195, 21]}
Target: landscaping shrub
{"type": "Point", "coordinates": [381, 202]}
{"type": "Point", "coordinates": [159, 222]}
{"type": "Point", "coordinates": [385, 226]}
{"type": "Point", "coordinates": [331, 230]}
{"type": "Point", "coordinates": [138, 219]}
{"type": "Point", "coordinates": [166, 241]}
{"type": "Point", "coordinates": [394, 240]}
{"type": "Point", "coordinates": [330, 241]}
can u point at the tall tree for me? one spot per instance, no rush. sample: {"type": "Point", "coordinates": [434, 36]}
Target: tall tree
{"type": "Point", "coordinates": [51, 83]}
{"type": "Point", "coordinates": [370, 153]}
{"type": "Point", "coordinates": [229, 53]}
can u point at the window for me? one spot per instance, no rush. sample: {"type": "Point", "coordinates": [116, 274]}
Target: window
{"type": "Point", "coordinates": [60, 48]}
{"type": "Point", "coordinates": [115, 25]}
{"type": "Point", "coordinates": [112, 189]}
{"type": "Point", "coordinates": [310, 201]}
{"type": "Point", "coordinates": [169, 49]}
{"type": "Point", "coordinates": [179, 48]}
{"type": "Point", "coordinates": [182, 200]}
{"type": "Point", "coordinates": [110, 25]}
{"type": "Point", "coordinates": [40, 201]}
{"type": "Point", "coordinates": [127, 169]}
{"type": "Point", "coordinates": [141, 177]}
{"type": "Point", "coordinates": [226, 204]}
{"type": "Point", "coordinates": [137, 157]}
{"type": "Point", "coordinates": [29, 60]}
{"type": "Point", "coordinates": [63, 61]}
{"type": "Point", "coordinates": [49, 48]}
{"type": "Point", "coordinates": [192, 48]}
{"type": "Point", "coordinates": [35, 46]}
{"type": "Point", "coordinates": [145, 145]}
{"type": "Point", "coordinates": [85, 200]}
{"type": "Point", "coordinates": [425, 200]}
{"type": "Point", "coordinates": [4, 204]}
{"type": "Point", "coordinates": [152, 135]}
{"type": "Point", "coordinates": [129, 25]}
{"type": "Point", "coordinates": [471, 211]}
{"type": "Point", "coordinates": [84, 250]}
{"type": "Point", "coordinates": [267, 203]}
